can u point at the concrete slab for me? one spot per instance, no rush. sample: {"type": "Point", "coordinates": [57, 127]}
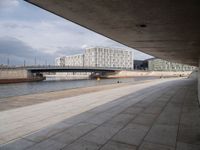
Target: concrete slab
{"type": "Point", "coordinates": [135, 131]}
{"type": "Point", "coordinates": [133, 110]}
{"type": "Point", "coordinates": [158, 103]}
{"type": "Point", "coordinates": [168, 119]}
{"type": "Point", "coordinates": [162, 134]}
{"type": "Point", "coordinates": [100, 118]}
{"type": "Point", "coordinates": [170, 115]}
{"type": "Point", "coordinates": [82, 145]}
{"type": "Point", "coordinates": [184, 146]}
{"type": "Point", "coordinates": [145, 119]}
{"type": "Point", "coordinates": [189, 135]}
{"type": "Point", "coordinates": [21, 144]}
{"type": "Point", "coordinates": [112, 145]}
{"type": "Point", "coordinates": [119, 120]}
{"type": "Point", "coordinates": [153, 146]}
{"type": "Point", "coordinates": [153, 110]}
{"type": "Point", "coordinates": [47, 132]}
{"type": "Point", "coordinates": [47, 144]}
{"type": "Point", "coordinates": [73, 133]}
{"type": "Point", "coordinates": [142, 104]}
{"type": "Point", "coordinates": [101, 135]}
{"type": "Point", "coordinates": [79, 118]}
{"type": "Point", "coordinates": [191, 118]}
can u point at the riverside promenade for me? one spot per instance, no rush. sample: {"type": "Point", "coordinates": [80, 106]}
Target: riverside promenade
{"type": "Point", "coordinates": [160, 114]}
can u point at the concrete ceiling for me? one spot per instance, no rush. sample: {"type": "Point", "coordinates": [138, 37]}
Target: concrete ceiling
{"type": "Point", "coordinates": [168, 29]}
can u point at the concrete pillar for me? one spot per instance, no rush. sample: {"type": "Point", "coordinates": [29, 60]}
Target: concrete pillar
{"type": "Point", "coordinates": [198, 76]}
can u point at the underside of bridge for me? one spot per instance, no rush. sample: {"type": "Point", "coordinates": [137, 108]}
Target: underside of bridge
{"type": "Point", "coordinates": [166, 29]}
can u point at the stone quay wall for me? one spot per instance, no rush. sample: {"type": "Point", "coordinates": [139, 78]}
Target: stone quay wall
{"type": "Point", "coordinates": [12, 73]}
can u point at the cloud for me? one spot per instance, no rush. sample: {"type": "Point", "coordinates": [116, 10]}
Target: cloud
{"type": "Point", "coordinates": [18, 51]}
{"type": "Point", "coordinates": [55, 38]}
{"type": "Point", "coordinates": [7, 4]}
{"type": "Point", "coordinates": [65, 51]}
{"type": "Point", "coordinates": [49, 36]}
{"type": "Point", "coordinates": [84, 46]}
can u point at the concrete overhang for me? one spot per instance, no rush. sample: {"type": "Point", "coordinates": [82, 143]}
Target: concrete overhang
{"type": "Point", "coordinates": [168, 29]}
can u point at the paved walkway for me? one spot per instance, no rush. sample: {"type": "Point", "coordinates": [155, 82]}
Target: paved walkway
{"type": "Point", "coordinates": [159, 115]}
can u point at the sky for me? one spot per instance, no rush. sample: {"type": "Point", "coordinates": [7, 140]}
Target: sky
{"type": "Point", "coordinates": [29, 33]}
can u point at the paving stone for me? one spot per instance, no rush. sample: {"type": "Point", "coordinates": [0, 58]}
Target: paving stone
{"type": "Point", "coordinates": [173, 108]}
{"type": "Point", "coordinates": [145, 119]}
{"type": "Point", "coordinates": [158, 104]}
{"type": "Point", "coordinates": [119, 121]}
{"type": "Point", "coordinates": [82, 145]}
{"type": "Point", "coordinates": [101, 134]}
{"type": "Point", "coordinates": [153, 110]}
{"type": "Point", "coordinates": [168, 118]}
{"type": "Point", "coordinates": [20, 144]}
{"type": "Point", "coordinates": [190, 109]}
{"type": "Point", "coordinates": [47, 145]}
{"type": "Point", "coordinates": [190, 117]}
{"type": "Point", "coordinates": [190, 102]}
{"type": "Point", "coordinates": [153, 146]}
{"type": "Point", "coordinates": [163, 99]}
{"type": "Point", "coordinates": [190, 120]}
{"type": "Point", "coordinates": [115, 110]}
{"type": "Point", "coordinates": [162, 134]}
{"type": "Point", "coordinates": [73, 133]}
{"type": "Point", "coordinates": [78, 118]}
{"type": "Point", "coordinates": [131, 134]}
{"type": "Point", "coordinates": [184, 146]}
{"type": "Point", "coordinates": [99, 119]}
{"type": "Point", "coordinates": [112, 145]}
{"type": "Point", "coordinates": [190, 135]}
{"type": "Point", "coordinates": [47, 132]}
{"type": "Point", "coordinates": [133, 110]}
{"type": "Point", "coordinates": [177, 100]}
{"type": "Point", "coordinates": [142, 104]}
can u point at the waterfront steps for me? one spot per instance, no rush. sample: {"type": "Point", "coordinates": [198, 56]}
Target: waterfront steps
{"type": "Point", "coordinates": [158, 115]}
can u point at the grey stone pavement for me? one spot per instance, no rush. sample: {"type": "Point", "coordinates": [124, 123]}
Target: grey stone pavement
{"type": "Point", "coordinates": [166, 116]}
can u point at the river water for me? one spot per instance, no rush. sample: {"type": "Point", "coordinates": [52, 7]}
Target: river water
{"type": "Point", "coordinates": [8, 90]}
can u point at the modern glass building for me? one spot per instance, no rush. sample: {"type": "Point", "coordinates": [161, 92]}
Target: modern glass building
{"type": "Point", "coordinates": [99, 57]}
{"type": "Point", "coordinates": [156, 64]}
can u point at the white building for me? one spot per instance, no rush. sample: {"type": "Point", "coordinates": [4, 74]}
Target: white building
{"type": "Point", "coordinates": [74, 60]}
{"type": "Point", "coordinates": [108, 57]}
{"type": "Point", "coordinates": [156, 64]}
{"type": "Point", "coordinates": [99, 57]}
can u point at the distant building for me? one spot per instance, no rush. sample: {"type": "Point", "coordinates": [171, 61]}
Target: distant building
{"type": "Point", "coordinates": [156, 64]}
{"type": "Point", "coordinates": [99, 57]}
{"type": "Point", "coordinates": [57, 61]}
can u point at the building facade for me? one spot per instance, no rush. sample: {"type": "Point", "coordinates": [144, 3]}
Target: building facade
{"type": "Point", "coordinates": [74, 60]}
{"type": "Point", "coordinates": [99, 57]}
{"type": "Point", "coordinates": [156, 64]}
{"type": "Point", "coordinates": [140, 65]}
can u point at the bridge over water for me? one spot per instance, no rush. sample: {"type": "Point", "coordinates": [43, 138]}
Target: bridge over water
{"type": "Point", "coordinates": [40, 69]}
{"type": "Point", "coordinates": [29, 72]}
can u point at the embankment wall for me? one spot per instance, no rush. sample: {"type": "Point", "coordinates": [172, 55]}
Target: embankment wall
{"type": "Point", "coordinates": [149, 73]}
{"type": "Point", "coordinates": [8, 73]}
